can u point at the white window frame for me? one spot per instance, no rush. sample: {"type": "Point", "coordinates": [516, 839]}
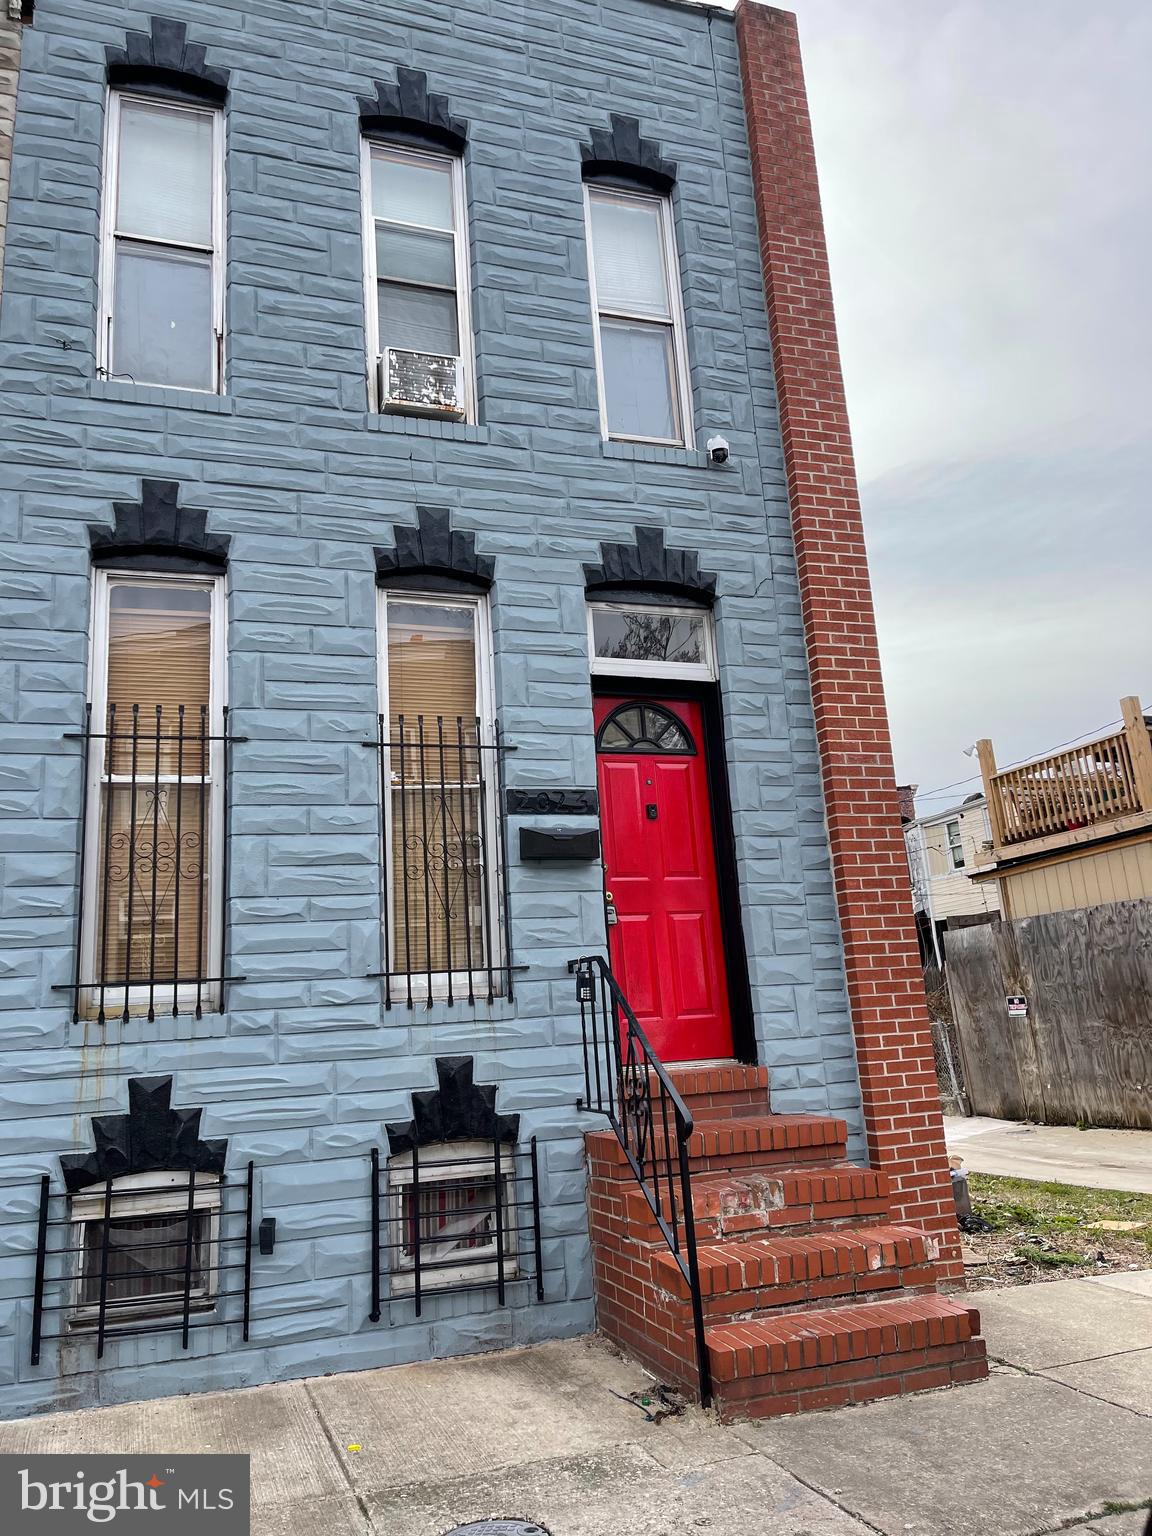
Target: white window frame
{"type": "Point", "coordinates": [109, 236]}
{"type": "Point", "coordinates": [441, 1163]}
{"type": "Point", "coordinates": [681, 380]}
{"type": "Point", "coordinates": [136, 1195]}
{"type": "Point", "coordinates": [463, 258]}
{"type": "Point", "coordinates": [704, 671]}
{"type": "Point", "coordinates": [138, 996]}
{"type": "Point", "coordinates": [956, 847]}
{"type": "Point", "coordinates": [486, 713]}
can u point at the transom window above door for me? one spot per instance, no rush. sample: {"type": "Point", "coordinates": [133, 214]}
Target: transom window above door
{"type": "Point", "coordinates": [650, 641]}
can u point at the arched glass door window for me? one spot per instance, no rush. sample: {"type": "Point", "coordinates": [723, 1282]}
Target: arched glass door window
{"type": "Point", "coordinates": [645, 728]}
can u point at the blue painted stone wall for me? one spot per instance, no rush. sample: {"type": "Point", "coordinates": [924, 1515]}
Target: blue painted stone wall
{"type": "Point", "coordinates": [305, 1065]}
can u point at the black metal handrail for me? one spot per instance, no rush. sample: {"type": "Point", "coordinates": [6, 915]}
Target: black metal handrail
{"type": "Point", "coordinates": [625, 1080]}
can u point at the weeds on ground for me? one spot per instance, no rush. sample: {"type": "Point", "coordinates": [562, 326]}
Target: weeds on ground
{"type": "Point", "coordinates": [1045, 1231]}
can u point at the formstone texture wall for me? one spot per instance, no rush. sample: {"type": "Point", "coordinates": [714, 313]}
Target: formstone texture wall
{"type": "Point", "coordinates": [885, 979]}
{"type": "Point", "coordinates": [9, 70]}
{"type": "Point", "coordinates": [306, 1064]}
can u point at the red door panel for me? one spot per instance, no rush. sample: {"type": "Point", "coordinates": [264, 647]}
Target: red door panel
{"type": "Point", "coordinates": [660, 866]}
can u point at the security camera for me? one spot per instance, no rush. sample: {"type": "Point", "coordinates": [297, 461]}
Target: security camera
{"type": "Point", "coordinates": [718, 450]}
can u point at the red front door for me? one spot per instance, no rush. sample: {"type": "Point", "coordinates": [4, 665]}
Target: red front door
{"type": "Point", "coordinates": [660, 869]}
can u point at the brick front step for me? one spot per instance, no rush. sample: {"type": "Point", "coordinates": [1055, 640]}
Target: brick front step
{"type": "Point", "coordinates": [722, 1090]}
{"type": "Point", "coordinates": [729, 1206]}
{"type": "Point", "coordinates": [756, 1141]}
{"type": "Point", "coordinates": [764, 1367]}
{"type": "Point", "coordinates": [786, 1272]}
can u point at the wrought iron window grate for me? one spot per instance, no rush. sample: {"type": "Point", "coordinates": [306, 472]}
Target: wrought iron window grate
{"type": "Point", "coordinates": [152, 921]}
{"type": "Point", "coordinates": [444, 857]}
{"type": "Point", "coordinates": [447, 1223]}
{"type": "Point", "coordinates": [149, 1258]}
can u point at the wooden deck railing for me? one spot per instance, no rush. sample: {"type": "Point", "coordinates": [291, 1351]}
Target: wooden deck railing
{"type": "Point", "coordinates": [1099, 787]}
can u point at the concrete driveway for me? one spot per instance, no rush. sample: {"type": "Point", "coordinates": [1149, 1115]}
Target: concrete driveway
{"type": "Point", "coordinates": [1061, 1433]}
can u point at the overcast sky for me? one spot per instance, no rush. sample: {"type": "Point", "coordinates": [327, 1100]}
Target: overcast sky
{"type": "Point", "coordinates": [985, 169]}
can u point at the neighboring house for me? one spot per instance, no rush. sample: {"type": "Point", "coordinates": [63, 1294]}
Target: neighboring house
{"type": "Point", "coordinates": [424, 431]}
{"type": "Point", "coordinates": [944, 850]}
{"type": "Point", "coordinates": [1072, 829]}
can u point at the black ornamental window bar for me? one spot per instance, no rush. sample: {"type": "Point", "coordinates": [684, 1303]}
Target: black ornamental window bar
{"type": "Point", "coordinates": [444, 858]}
{"type": "Point", "coordinates": [154, 864]}
{"type": "Point", "coordinates": [114, 1260]}
{"type": "Point", "coordinates": [446, 1220]}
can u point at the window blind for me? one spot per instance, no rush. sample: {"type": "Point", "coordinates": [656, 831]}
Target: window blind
{"type": "Point", "coordinates": [627, 242]}
{"type": "Point", "coordinates": [165, 182]}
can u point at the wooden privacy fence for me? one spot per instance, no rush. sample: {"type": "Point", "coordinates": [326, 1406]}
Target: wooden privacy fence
{"type": "Point", "coordinates": [1083, 1050]}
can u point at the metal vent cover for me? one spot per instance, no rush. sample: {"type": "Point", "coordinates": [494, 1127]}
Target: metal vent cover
{"type": "Point", "coordinates": [498, 1528]}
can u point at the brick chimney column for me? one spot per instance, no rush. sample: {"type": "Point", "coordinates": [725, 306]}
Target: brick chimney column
{"type": "Point", "coordinates": [885, 985]}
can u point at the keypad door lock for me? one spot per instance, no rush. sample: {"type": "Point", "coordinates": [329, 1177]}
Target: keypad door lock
{"type": "Point", "coordinates": [651, 812]}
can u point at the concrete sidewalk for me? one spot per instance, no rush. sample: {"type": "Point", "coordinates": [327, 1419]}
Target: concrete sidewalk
{"type": "Point", "coordinates": [1062, 1429]}
{"type": "Point", "coordinates": [1059, 1154]}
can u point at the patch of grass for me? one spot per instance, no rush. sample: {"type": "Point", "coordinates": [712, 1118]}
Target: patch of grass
{"type": "Point", "coordinates": [1020, 1204]}
{"type": "Point", "coordinates": [1045, 1257]}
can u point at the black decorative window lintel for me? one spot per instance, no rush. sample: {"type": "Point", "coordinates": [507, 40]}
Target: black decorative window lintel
{"type": "Point", "coordinates": [156, 533]}
{"type": "Point", "coordinates": [163, 59]}
{"type": "Point", "coordinates": [458, 1110]}
{"type": "Point", "coordinates": [407, 111]}
{"type": "Point", "coordinates": [433, 555]}
{"type": "Point", "coordinates": [621, 153]}
{"type": "Point", "coordinates": [649, 565]}
{"type": "Point", "coordinates": [151, 1138]}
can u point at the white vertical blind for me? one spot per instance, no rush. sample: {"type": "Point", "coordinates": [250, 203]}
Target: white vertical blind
{"type": "Point", "coordinates": [165, 181]}
{"type": "Point", "coordinates": [628, 249]}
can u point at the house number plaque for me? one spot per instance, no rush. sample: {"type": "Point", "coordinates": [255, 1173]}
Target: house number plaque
{"type": "Point", "coordinates": [551, 802]}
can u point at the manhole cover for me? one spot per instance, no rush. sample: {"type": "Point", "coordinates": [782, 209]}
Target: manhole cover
{"type": "Point", "coordinates": [498, 1528]}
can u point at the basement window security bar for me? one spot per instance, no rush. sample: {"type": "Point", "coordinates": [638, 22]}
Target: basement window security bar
{"type": "Point", "coordinates": [448, 1219]}
{"type": "Point", "coordinates": [125, 1258]}
{"type": "Point", "coordinates": [444, 855]}
{"type": "Point", "coordinates": [152, 922]}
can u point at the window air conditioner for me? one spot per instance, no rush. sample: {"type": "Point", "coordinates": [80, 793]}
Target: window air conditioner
{"type": "Point", "coordinates": [421, 383]}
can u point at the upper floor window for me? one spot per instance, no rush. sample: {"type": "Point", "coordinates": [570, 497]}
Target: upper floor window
{"type": "Point", "coordinates": [162, 281]}
{"type": "Point", "coordinates": [955, 844]}
{"type": "Point", "coordinates": [640, 348]}
{"type": "Point", "coordinates": [152, 934]}
{"type": "Point", "coordinates": [417, 261]}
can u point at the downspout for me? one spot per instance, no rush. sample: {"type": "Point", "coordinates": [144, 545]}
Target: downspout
{"type": "Point", "coordinates": [928, 894]}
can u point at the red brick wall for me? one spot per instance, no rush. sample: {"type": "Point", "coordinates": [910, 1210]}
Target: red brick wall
{"type": "Point", "coordinates": [885, 988]}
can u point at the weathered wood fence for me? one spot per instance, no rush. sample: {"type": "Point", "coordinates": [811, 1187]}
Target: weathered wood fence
{"type": "Point", "coordinates": [1083, 1051]}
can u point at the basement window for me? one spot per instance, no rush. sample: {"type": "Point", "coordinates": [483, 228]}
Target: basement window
{"type": "Point", "coordinates": [451, 1216]}
{"type": "Point", "coordinates": [142, 1248]}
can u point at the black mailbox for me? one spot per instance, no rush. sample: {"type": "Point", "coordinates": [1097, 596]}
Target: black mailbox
{"type": "Point", "coordinates": [538, 845]}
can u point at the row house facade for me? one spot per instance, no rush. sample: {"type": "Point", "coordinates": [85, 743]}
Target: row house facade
{"type": "Point", "coordinates": [451, 879]}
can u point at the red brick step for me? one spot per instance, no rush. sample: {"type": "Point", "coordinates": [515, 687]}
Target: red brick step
{"type": "Point", "coordinates": [756, 1141]}
{"type": "Point", "coordinates": [794, 1361]}
{"type": "Point", "coordinates": [776, 1272]}
{"type": "Point", "coordinates": [721, 1090]}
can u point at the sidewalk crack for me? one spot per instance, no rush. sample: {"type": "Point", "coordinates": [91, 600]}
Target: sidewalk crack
{"type": "Point", "coordinates": [370, 1525]}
